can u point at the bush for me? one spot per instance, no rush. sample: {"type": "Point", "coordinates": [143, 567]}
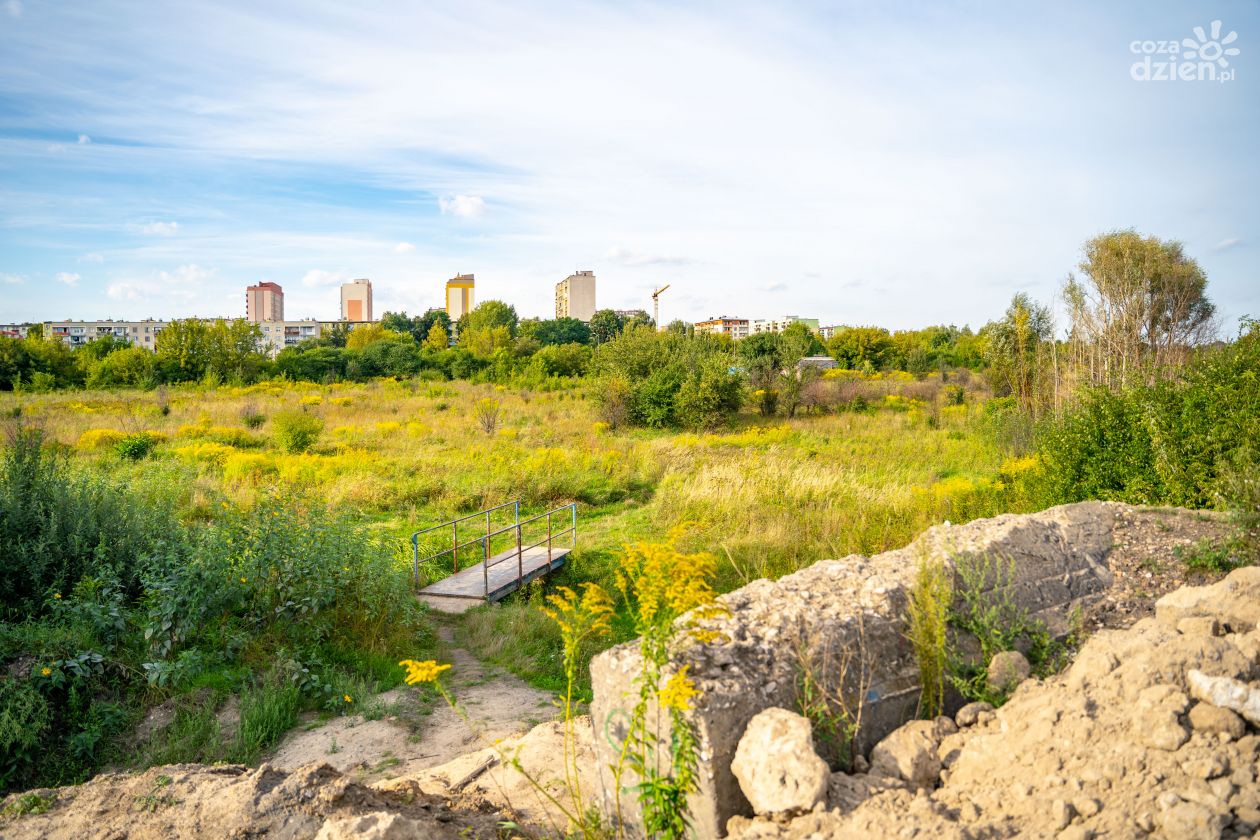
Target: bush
{"type": "Point", "coordinates": [1172, 443]}
{"type": "Point", "coordinates": [252, 417]}
{"type": "Point", "coordinates": [100, 439]}
{"type": "Point", "coordinates": [296, 431]}
{"type": "Point", "coordinates": [136, 447]}
{"type": "Point", "coordinates": [487, 412]}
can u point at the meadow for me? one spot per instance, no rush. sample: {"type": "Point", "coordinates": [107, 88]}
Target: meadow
{"type": "Point", "coordinates": [767, 495]}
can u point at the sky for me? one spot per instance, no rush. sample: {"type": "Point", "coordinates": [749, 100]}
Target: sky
{"type": "Point", "coordinates": [899, 164]}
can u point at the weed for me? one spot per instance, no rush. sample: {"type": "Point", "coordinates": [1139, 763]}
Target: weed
{"type": "Point", "coordinates": [928, 611]}
{"type": "Point", "coordinates": [1213, 556]}
{"type": "Point", "coordinates": [831, 687]}
{"type": "Point", "coordinates": [27, 804]}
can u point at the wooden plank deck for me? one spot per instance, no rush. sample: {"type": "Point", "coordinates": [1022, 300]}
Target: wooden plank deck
{"type": "Point", "coordinates": [467, 587]}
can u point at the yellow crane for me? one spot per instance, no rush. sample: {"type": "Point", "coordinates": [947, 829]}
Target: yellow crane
{"type": "Point", "coordinates": [656, 305]}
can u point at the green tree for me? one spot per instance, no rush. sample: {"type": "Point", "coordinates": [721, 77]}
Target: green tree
{"type": "Point", "coordinates": [605, 326]}
{"type": "Point", "coordinates": [489, 315]}
{"type": "Point", "coordinates": [856, 348]}
{"type": "Point", "coordinates": [1019, 352]}
{"type": "Point", "coordinates": [437, 339]}
{"type": "Point", "coordinates": [558, 331]}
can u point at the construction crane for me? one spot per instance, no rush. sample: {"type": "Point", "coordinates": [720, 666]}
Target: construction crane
{"type": "Point", "coordinates": [656, 305]}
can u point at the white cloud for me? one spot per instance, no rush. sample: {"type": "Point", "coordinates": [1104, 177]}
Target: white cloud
{"type": "Point", "coordinates": [158, 228]}
{"type": "Point", "coordinates": [317, 277]}
{"type": "Point", "coordinates": [122, 291]}
{"type": "Point", "coordinates": [464, 206]}
{"type": "Point", "coordinates": [404, 248]}
{"type": "Point", "coordinates": [13, 8]}
{"type": "Point", "coordinates": [92, 258]}
{"type": "Point", "coordinates": [67, 277]}
{"type": "Point", "coordinates": [774, 287]}
{"type": "Point", "coordinates": [633, 259]}
{"type": "Point", "coordinates": [184, 285]}
{"type": "Point", "coordinates": [11, 279]}
{"type": "Point", "coordinates": [1226, 244]}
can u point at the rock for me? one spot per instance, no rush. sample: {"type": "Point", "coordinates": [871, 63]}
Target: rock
{"type": "Point", "coordinates": [969, 714]}
{"type": "Point", "coordinates": [1076, 832]}
{"type": "Point", "coordinates": [776, 765]}
{"type": "Point", "coordinates": [1209, 719]}
{"type": "Point", "coordinates": [1209, 767]}
{"type": "Point", "coordinates": [1086, 806]}
{"type": "Point", "coordinates": [1234, 601]}
{"type": "Point", "coordinates": [909, 754]}
{"type": "Point", "coordinates": [1061, 814]}
{"type": "Point", "coordinates": [1226, 693]}
{"type": "Point", "coordinates": [1007, 670]}
{"type": "Point", "coordinates": [1159, 728]}
{"type": "Point", "coordinates": [1199, 625]}
{"type": "Point", "coordinates": [1192, 821]}
{"type": "Point", "coordinates": [381, 825]}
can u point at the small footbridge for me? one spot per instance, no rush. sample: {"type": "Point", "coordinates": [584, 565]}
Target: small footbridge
{"type": "Point", "coordinates": [490, 559]}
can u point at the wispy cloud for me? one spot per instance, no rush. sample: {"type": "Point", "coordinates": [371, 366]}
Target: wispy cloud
{"type": "Point", "coordinates": [633, 259]}
{"type": "Point", "coordinates": [774, 287]}
{"type": "Point", "coordinates": [404, 248]}
{"type": "Point", "coordinates": [1226, 244]}
{"type": "Point", "coordinates": [13, 8]}
{"type": "Point", "coordinates": [92, 257]}
{"type": "Point", "coordinates": [84, 140]}
{"type": "Point", "coordinates": [463, 206]}
{"type": "Point", "coordinates": [67, 277]}
{"type": "Point", "coordinates": [317, 277]}
{"type": "Point", "coordinates": [185, 284]}
{"type": "Point", "coordinates": [11, 279]}
{"type": "Point", "coordinates": [157, 228]}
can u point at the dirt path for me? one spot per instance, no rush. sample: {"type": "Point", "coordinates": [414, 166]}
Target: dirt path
{"type": "Point", "coordinates": [401, 732]}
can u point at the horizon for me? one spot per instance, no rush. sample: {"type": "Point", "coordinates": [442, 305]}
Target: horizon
{"type": "Point", "coordinates": [899, 167]}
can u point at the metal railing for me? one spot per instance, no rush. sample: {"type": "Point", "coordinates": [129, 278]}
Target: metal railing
{"type": "Point", "coordinates": [485, 540]}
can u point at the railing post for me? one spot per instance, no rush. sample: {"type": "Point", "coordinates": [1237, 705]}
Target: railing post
{"type": "Point", "coordinates": [548, 538]}
{"type": "Point", "coordinates": [485, 567]}
{"type": "Point", "coordinates": [573, 510]}
{"type": "Point", "coordinates": [455, 544]}
{"type": "Point", "coordinates": [415, 559]}
{"type": "Point", "coordinates": [520, 563]}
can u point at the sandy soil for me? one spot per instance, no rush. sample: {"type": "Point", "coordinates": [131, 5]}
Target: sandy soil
{"type": "Point", "coordinates": [416, 734]}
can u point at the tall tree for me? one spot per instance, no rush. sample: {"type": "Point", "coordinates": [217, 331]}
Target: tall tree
{"type": "Point", "coordinates": [1138, 308]}
{"type": "Point", "coordinates": [1019, 346]}
{"type": "Point", "coordinates": [605, 326]}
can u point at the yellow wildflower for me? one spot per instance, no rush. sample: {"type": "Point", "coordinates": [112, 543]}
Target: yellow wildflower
{"type": "Point", "coordinates": [426, 671]}
{"type": "Point", "coordinates": [678, 691]}
{"type": "Point", "coordinates": [57, 595]}
{"type": "Point", "coordinates": [347, 698]}
{"type": "Point", "coordinates": [244, 580]}
{"type": "Point", "coordinates": [47, 672]}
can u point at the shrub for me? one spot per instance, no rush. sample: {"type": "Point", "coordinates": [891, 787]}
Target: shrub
{"type": "Point", "coordinates": [252, 417]}
{"type": "Point", "coordinates": [296, 431]}
{"type": "Point", "coordinates": [487, 411]}
{"type": "Point", "coordinates": [100, 439]}
{"type": "Point", "coordinates": [136, 447]}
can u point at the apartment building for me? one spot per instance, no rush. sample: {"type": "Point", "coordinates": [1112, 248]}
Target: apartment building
{"type": "Point", "coordinates": [265, 302]}
{"type": "Point", "coordinates": [778, 325]}
{"type": "Point", "coordinates": [736, 328]}
{"type": "Point", "coordinates": [827, 333]}
{"type": "Point", "coordinates": [278, 335]}
{"type": "Point", "coordinates": [459, 296]}
{"type": "Point", "coordinates": [575, 296]}
{"type": "Point", "coordinates": [77, 333]}
{"type": "Point", "coordinates": [356, 300]}
{"type": "Point", "coordinates": [14, 330]}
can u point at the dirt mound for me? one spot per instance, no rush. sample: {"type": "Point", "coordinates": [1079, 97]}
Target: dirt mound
{"type": "Point", "coordinates": [1123, 744]}
{"type": "Point", "coordinates": [192, 800]}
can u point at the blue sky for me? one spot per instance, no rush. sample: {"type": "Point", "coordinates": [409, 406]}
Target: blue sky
{"type": "Point", "coordinates": [899, 164]}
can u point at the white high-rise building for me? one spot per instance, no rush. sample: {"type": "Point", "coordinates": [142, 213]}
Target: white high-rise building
{"type": "Point", "coordinates": [575, 296]}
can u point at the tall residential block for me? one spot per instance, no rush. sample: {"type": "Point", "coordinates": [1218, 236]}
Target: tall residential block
{"type": "Point", "coordinates": [264, 302]}
{"type": "Point", "coordinates": [575, 296]}
{"type": "Point", "coordinates": [459, 296]}
{"type": "Point", "coordinates": [356, 300]}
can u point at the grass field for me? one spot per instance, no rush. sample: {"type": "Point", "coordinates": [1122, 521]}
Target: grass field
{"type": "Point", "coordinates": [767, 495]}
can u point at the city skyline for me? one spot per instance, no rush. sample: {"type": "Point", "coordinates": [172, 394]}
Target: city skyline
{"type": "Point", "coordinates": [848, 163]}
